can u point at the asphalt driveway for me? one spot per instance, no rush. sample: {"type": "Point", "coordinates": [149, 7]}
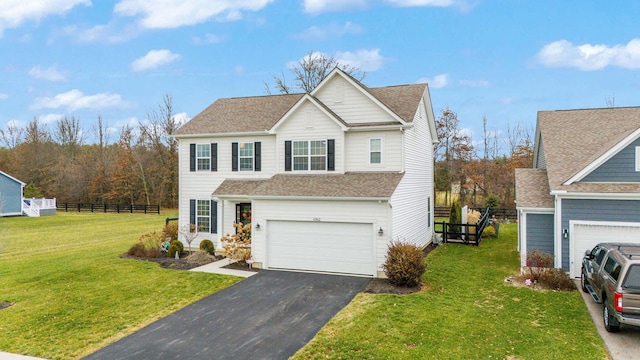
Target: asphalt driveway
{"type": "Point", "coordinates": [267, 316]}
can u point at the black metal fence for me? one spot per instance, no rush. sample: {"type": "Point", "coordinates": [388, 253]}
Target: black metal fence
{"type": "Point", "coordinates": [105, 208]}
{"type": "Point", "coordinates": [470, 234]}
{"type": "Point", "coordinates": [499, 213]}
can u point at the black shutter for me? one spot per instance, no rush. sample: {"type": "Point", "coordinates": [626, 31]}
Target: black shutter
{"type": "Point", "coordinates": [287, 155]}
{"type": "Point", "coordinates": [214, 157]}
{"type": "Point", "coordinates": [234, 156]}
{"type": "Point", "coordinates": [256, 156]}
{"type": "Point", "coordinates": [192, 157]}
{"type": "Point", "coordinates": [192, 212]}
{"type": "Point", "coordinates": [214, 217]}
{"type": "Point", "coordinates": [331, 155]}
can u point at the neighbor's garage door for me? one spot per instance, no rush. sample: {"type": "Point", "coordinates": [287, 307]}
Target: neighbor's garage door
{"type": "Point", "coordinates": [586, 236]}
{"type": "Point", "coordinates": [321, 246]}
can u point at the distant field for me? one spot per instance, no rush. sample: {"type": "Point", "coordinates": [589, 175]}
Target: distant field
{"type": "Point", "coordinates": [72, 293]}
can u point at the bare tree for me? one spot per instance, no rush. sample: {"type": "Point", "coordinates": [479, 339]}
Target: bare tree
{"type": "Point", "coordinates": [310, 71]}
{"type": "Point", "coordinates": [12, 136]}
{"type": "Point", "coordinates": [68, 134]}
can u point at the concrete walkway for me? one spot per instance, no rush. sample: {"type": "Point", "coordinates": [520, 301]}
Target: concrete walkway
{"type": "Point", "coordinates": [8, 356]}
{"type": "Point", "coordinates": [216, 267]}
{"type": "Point", "coordinates": [268, 316]}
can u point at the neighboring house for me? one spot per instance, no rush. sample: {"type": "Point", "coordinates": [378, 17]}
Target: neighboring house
{"type": "Point", "coordinates": [327, 179]}
{"type": "Point", "coordinates": [584, 186]}
{"type": "Point", "coordinates": [11, 190]}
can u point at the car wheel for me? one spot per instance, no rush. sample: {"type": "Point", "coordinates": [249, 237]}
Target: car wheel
{"type": "Point", "coordinates": [608, 319]}
{"type": "Point", "coordinates": [583, 282]}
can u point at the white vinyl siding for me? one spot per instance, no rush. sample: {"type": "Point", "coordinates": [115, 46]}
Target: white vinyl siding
{"type": "Point", "coordinates": [203, 157]}
{"type": "Point", "coordinates": [410, 211]}
{"type": "Point", "coordinates": [356, 107]}
{"type": "Point", "coordinates": [359, 155]}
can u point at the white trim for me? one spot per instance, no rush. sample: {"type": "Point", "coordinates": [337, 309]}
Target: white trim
{"type": "Point", "coordinates": [599, 196]}
{"type": "Point", "coordinates": [309, 156]}
{"type": "Point", "coordinates": [12, 178]}
{"type": "Point", "coordinates": [605, 157]}
{"type": "Point", "coordinates": [557, 241]}
{"type": "Point", "coordinates": [253, 156]}
{"type": "Point", "coordinates": [637, 158]}
{"type": "Point", "coordinates": [361, 128]}
{"type": "Point", "coordinates": [231, 134]}
{"type": "Point", "coordinates": [381, 162]}
{"type": "Point", "coordinates": [297, 105]}
{"type": "Point", "coordinates": [302, 198]}
{"type": "Point", "coordinates": [208, 158]}
{"type": "Point", "coordinates": [534, 210]}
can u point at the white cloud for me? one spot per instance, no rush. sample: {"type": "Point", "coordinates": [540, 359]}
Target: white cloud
{"type": "Point", "coordinates": [169, 14]}
{"type": "Point", "coordinates": [51, 73]}
{"type": "Point", "coordinates": [154, 59]}
{"type": "Point", "coordinates": [329, 31]}
{"type": "Point", "coordinates": [318, 6]}
{"type": "Point", "coordinates": [15, 12]}
{"type": "Point", "coordinates": [16, 123]}
{"type": "Point", "coordinates": [589, 57]}
{"type": "Point", "coordinates": [74, 100]}
{"type": "Point", "coordinates": [49, 118]}
{"type": "Point", "coordinates": [366, 60]}
{"type": "Point", "coordinates": [436, 82]}
{"type": "Point", "coordinates": [475, 83]}
{"type": "Point", "coordinates": [4, 96]}
{"type": "Point", "coordinates": [112, 33]}
{"type": "Point", "coordinates": [181, 118]}
{"type": "Point", "coordinates": [207, 39]}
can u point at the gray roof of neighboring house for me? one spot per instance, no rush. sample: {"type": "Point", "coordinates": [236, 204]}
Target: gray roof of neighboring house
{"type": "Point", "coordinates": [575, 138]}
{"type": "Point", "coordinates": [259, 113]}
{"type": "Point", "coordinates": [532, 189]}
{"type": "Point", "coordinates": [348, 185]}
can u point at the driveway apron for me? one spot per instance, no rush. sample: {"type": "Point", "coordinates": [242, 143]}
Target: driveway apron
{"type": "Point", "coordinates": [267, 316]}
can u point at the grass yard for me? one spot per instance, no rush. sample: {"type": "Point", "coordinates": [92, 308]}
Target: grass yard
{"type": "Point", "coordinates": [468, 312]}
{"type": "Point", "coordinates": [71, 292]}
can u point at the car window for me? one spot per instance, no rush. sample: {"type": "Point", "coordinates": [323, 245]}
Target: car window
{"type": "Point", "coordinates": [612, 268]}
{"type": "Point", "coordinates": [632, 280]}
{"type": "Point", "coordinates": [600, 255]}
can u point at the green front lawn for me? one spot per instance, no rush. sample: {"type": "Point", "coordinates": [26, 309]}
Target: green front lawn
{"type": "Point", "coordinates": [467, 312]}
{"type": "Point", "coordinates": [71, 292]}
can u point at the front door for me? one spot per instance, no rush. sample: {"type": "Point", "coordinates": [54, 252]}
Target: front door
{"type": "Point", "coordinates": [243, 213]}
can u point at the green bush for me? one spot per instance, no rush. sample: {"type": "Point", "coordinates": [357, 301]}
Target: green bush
{"type": "Point", "coordinates": [170, 230]}
{"type": "Point", "coordinates": [173, 249]}
{"type": "Point", "coordinates": [556, 279]}
{"type": "Point", "coordinates": [207, 245]}
{"type": "Point", "coordinates": [455, 216]}
{"type": "Point", "coordinates": [179, 244]}
{"type": "Point", "coordinates": [491, 201]}
{"type": "Point", "coordinates": [405, 264]}
{"type": "Point", "coordinates": [489, 231]}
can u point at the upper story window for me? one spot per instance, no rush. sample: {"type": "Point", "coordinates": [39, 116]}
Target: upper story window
{"type": "Point", "coordinates": [309, 155]}
{"type": "Point", "coordinates": [375, 151]}
{"type": "Point", "coordinates": [203, 157]}
{"type": "Point", "coordinates": [245, 156]}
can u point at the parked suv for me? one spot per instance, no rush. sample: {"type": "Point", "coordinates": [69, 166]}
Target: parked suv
{"type": "Point", "coordinates": [611, 275]}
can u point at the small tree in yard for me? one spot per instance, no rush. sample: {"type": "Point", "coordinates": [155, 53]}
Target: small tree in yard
{"type": "Point", "coordinates": [538, 262]}
{"type": "Point", "coordinates": [238, 245]}
{"type": "Point", "coordinates": [405, 264]}
{"type": "Point", "coordinates": [189, 232]}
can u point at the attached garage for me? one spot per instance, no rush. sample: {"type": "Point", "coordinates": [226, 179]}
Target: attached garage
{"type": "Point", "coordinates": [335, 247]}
{"type": "Point", "coordinates": [587, 234]}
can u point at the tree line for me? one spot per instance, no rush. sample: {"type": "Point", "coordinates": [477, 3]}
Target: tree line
{"type": "Point", "coordinates": [139, 167]}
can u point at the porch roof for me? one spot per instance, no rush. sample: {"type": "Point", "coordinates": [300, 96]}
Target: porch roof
{"type": "Point", "coordinates": [379, 185]}
{"type": "Point", "coordinates": [532, 189]}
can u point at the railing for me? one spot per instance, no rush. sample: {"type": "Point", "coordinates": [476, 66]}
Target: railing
{"type": "Point", "coordinates": [462, 233]}
{"type": "Point", "coordinates": [500, 213]}
{"type": "Point", "coordinates": [117, 208]}
{"type": "Point", "coordinates": [32, 206]}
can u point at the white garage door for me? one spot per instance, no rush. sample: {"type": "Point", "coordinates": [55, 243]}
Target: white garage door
{"type": "Point", "coordinates": [586, 236]}
{"type": "Point", "coordinates": [321, 246]}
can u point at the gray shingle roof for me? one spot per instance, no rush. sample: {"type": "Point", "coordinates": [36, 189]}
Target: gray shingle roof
{"type": "Point", "coordinates": [575, 138]}
{"type": "Point", "coordinates": [532, 189]}
{"type": "Point", "coordinates": [259, 113]}
{"type": "Point", "coordinates": [348, 185]}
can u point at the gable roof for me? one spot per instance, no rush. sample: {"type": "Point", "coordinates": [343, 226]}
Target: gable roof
{"type": "Point", "coordinates": [378, 185]}
{"type": "Point", "coordinates": [260, 113]}
{"type": "Point", "coordinates": [12, 178]}
{"type": "Point", "coordinates": [575, 139]}
{"type": "Point", "coordinates": [532, 189]}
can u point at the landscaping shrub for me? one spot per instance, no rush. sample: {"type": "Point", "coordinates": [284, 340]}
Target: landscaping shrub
{"type": "Point", "coordinates": [537, 262]}
{"type": "Point", "coordinates": [455, 216]}
{"type": "Point", "coordinates": [170, 230]}
{"type": "Point", "coordinates": [136, 250]}
{"type": "Point", "coordinates": [150, 240]}
{"type": "Point", "coordinates": [200, 258]}
{"type": "Point", "coordinates": [179, 245]}
{"type": "Point", "coordinates": [238, 245]}
{"type": "Point", "coordinates": [404, 265]}
{"type": "Point", "coordinates": [173, 249]}
{"type": "Point", "coordinates": [556, 279]}
{"type": "Point", "coordinates": [148, 245]}
{"type": "Point", "coordinates": [489, 231]}
{"type": "Point", "coordinates": [207, 245]}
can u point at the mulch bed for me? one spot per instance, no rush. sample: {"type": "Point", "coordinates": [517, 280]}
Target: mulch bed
{"type": "Point", "coordinates": [241, 266]}
{"type": "Point", "coordinates": [171, 263]}
{"type": "Point", "coordinates": [4, 305]}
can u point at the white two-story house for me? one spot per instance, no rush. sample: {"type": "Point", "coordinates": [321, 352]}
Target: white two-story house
{"type": "Point", "coordinates": [327, 179]}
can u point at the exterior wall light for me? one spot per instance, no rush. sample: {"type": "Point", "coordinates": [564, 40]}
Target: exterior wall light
{"type": "Point", "coordinates": [380, 232]}
{"type": "Point", "coordinates": [565, 234]}
{"type": "Point", "coordinates": [258, 226]}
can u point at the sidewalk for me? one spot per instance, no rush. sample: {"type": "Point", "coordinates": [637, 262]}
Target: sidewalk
{"type": "Point", "coordinates": [216, 268]}
{"type": "Point", "coordinates": [8, 356]}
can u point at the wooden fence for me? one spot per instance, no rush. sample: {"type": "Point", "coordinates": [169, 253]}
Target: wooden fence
{"type": "Point", "coordinates": [500, 213]}
{"type": "Point", "coordinates": [117, 208]}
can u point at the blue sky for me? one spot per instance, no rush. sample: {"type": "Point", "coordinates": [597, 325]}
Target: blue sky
{"type": "Point", "coordinates": [503, 59]}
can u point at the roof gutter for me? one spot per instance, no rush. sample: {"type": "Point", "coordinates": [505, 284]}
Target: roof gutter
{"type": "Point", "coordinates": [303, 198]}
{"type": "Point", "coordinates": [232, 134]}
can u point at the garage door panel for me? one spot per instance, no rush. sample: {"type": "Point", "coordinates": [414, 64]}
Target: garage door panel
{"type": "Point", "coordinates": [586, 236]}
{"type": "Point", "coordinates": [321, 246]}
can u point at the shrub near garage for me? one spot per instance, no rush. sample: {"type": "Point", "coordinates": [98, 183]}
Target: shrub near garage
{"type": "Point", "coordinates": [405, 264]}
{"type": "Point", "coordinates": [207, 245]}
